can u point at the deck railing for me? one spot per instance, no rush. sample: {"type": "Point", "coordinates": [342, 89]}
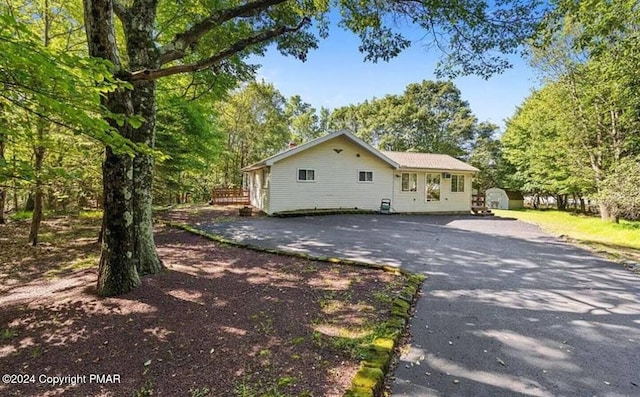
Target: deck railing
{"type": "Point", "coordinates": [230, 196]}
{"type": "Point", "coordinates": [477, 200]}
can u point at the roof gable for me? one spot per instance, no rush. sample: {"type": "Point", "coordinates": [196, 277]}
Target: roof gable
{"type": "Point", "coordinates": [301, 148]}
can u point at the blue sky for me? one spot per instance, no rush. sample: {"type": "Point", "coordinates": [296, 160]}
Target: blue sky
{"type": "Point", "coordinates": [335, 75]}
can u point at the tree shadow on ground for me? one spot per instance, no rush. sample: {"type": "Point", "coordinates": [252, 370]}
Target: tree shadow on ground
{"type": "Point", "coordinates": [219, 319]}
{"type": "Point", "coordinates": [507, 310]}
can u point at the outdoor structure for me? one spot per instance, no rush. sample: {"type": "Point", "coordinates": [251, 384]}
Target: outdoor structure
{"type": "Point", "coordinates": [340, 171]}
{"type": "Point", "coordinates": [503, 199]}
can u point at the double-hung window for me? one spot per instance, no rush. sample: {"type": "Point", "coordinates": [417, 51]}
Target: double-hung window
{"type": "Point", "coordinates": [365, 176]}
{"type": "Point", "coordinates": [409, 182]}
{"type": "Point", "coordinates": [306, 175]}
{"type": "Point", "coordinates": [457, 183]}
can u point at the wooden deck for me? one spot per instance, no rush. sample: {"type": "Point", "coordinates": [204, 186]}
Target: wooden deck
{"type": "Point", "coordinates": [230, 196]}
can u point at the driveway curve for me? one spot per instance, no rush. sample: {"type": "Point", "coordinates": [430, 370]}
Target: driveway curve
{"type": "Point", "coordinates": [507, 310]}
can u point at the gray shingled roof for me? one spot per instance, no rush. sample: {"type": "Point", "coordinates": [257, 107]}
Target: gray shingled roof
{"type": "Point", "coordinates": [429, 161]}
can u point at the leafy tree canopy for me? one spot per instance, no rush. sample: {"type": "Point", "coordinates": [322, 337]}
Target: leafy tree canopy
{"type": "Point", "coordinates": [428, 117]}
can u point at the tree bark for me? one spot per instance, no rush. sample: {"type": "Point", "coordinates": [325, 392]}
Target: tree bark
{"type": "Point", "coordinates": [142, 53]}
{"type": "Point", "coordinates": [561, 202]}
{"type": "Point", "coordinates": [3, 200]}
{"type": "Point", "coordinates": [128, 246]}
{"type": "Point", "coordinates": [36, 218]}
{"type": "Point", "coordinates": [608, 214]}
{"type": "Point", "coordinates": [3, 189]}
{"type": "Point", "coordinates": [117, 271]}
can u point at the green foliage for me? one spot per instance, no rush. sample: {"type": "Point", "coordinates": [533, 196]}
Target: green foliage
{"type": "Point", "coordinates": [429, 117]}
{"type": "Point", "coordinates": [246, 388]}
{"type": "Point", "coordinates": [8, 334]}
{"type": "Point", "coordinates": [486, 155]}
{"type": "Point", "coordinates": [90, 215]}
{"type": "Point", "coordinates": [303, 120]}
{"type": "Point", "coordinates": [50, 104]}
{"type": "Point", "coordinates": [471, 33]}
{"type": "Point", "coordinates": [200, 392]}
{"type": "Point", "coordinates": [256, 127]}
{"type": "Point", "coordinates": [574, 134]}
{"type": "Point", "coordinates": [537, 143]}
{"type": "Point", "coordinates": [620, 190]}
{"type": "Point", "coordinates": [188, 136]}
{"type": "Point", "coordinates": [60, 87]}
{"type": "Point", "coordinates": [21, 215]}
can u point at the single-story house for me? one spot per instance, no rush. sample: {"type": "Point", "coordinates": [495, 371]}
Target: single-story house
{"type": "Point", "coordinates": [341, 171]}
{"type": "Point", "coordinates": [503, 199]}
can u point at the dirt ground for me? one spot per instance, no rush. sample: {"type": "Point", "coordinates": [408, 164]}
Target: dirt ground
{"type": "Point", "coordinates": [221, 321]}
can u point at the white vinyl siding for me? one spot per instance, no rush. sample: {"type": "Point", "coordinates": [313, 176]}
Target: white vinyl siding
{"type": "Point", "coordinates": [336, 178]}
{"type": "Point", "coordinates": [258, 183]}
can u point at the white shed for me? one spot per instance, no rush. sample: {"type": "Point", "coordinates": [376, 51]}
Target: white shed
{"type": "Point", "coordinates": [503, 199]}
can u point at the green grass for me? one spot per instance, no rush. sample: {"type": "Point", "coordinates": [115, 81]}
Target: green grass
{"type": "Point", "coordinates": [90, 214]}
{"type": "Point", "coordinates": [88, 262]}
{"type": "Point", "coordinates": [8, 334]}
{"type": "Point", "coordinates": [21, 215]}
{"type": "Point", "coordinates": [618, 239]}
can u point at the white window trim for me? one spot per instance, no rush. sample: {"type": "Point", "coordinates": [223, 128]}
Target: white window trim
{"type": "Point", "coordinates": [463, 183]}
{"type": "Point", "coordinates": [373, 178]}
{"type": "Point", "coordinates": [409, 191]}
{"type": "Point", "coordinates": [305, 180]}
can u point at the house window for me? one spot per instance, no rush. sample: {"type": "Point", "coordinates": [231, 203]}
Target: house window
{"type": "Point", "coordinates": [432, 187]}
{"type": "Point", "coordinates": [457, 183]}
{"type": "Point", "coordinates": [365, 176]}
{"type": "Point", "coordinates": [306, 175]}
{"type": "Point", "coordinates": [409, 182]}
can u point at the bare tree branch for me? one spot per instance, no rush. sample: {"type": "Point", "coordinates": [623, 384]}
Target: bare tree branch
{"type": "Point", "coordinates": [261, 37]}
{"type": "Point", "coordinates": [121, 11]}
{"type": "Point", "coordinates": [181, 42]}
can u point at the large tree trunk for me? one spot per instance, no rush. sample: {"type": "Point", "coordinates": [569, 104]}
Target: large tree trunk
{"type": "Point", "coordinates": [561, 202]}
{"type": "Point", "coordinates": [608, 214]}
{"type": "Point", "coordinates": [128, 246]}
{"type": "Point", "coordinates": [117, 272]}
{"type": "Point", "coordinates": [142, 55]}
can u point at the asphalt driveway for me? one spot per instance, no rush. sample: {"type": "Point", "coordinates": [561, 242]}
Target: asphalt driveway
{"type": "Point", "coordinates": [506, 311]}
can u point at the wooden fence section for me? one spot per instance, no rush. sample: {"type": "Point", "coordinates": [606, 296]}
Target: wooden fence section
{"type": "Point", "coordinates": [230, 196]}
